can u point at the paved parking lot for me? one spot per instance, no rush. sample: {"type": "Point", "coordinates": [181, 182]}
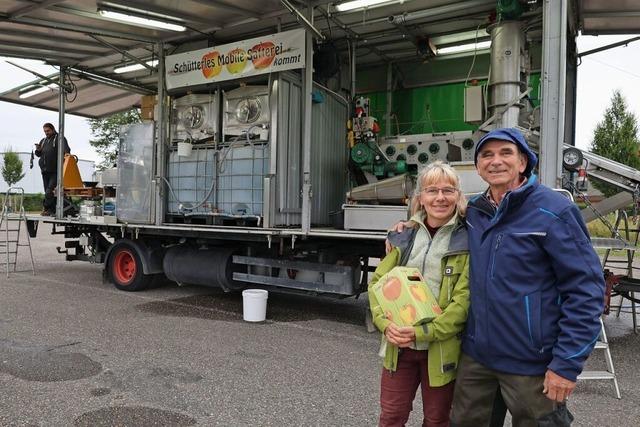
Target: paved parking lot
{"type": "Point", "coordinates": [74, 351]}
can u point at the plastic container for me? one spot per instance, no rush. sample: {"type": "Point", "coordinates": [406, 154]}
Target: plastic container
{"type": "Point", "coordinates": [184, 149]}
{"type": "Point", "coordinates": [254, 305]}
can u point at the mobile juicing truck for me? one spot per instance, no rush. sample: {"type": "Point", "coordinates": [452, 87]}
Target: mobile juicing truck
{"type": "Point", "coordinates": [280, 139]}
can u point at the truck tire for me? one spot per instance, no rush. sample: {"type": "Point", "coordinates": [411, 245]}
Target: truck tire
{"type": "Point", "coordinates": [124, 268]}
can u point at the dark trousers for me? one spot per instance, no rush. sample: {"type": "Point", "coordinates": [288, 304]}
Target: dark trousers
{"type": "Point", "coordinates": [476, 387]}
{"type": "Point", "coordinates": [49, 182]}
{"type": "Point", "coordinates": [398, 389]}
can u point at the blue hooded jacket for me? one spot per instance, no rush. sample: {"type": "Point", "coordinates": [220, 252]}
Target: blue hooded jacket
{"type": "Point", "coordinates": [537, 287]}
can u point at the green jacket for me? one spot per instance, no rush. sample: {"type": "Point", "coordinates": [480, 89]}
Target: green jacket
{"type": "Point", "coordinates": [443, 333]}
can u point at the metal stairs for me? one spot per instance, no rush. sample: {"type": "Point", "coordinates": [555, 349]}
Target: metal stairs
{"type": "Point", "coordinates": [11, 221]}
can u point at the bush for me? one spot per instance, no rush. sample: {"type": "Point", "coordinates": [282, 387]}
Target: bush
{"type": "Point", "coordinates": [31, 202]}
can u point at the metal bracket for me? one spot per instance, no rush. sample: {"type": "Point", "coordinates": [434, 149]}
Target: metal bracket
{"type": "Point", "coordinates": [293, 241]}
{"type": "Point", "coordinates": [67, 88]}
{"type": "Point", "coordinates": [122, 51]}
{"type": "Point", "coordinates": [302, 19]}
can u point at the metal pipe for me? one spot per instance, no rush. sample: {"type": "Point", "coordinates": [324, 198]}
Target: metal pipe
{"type": "Point", "coordinates": [60, 83]}
{"type": "Point", "coordinates": [161, 147]}
{"type": "Point", "coordinates": [308, 24]}
{"type": "Point", "coordinates": [437, 11]}
{"type": "Point", "coordinates": [353, 44]}
{"type": "Point", "coordinates": [609, 46]}
{"type": "Point", "coordinates": [387, 123]}
{"type": "Point", "coordinates": [507, 46]}
{"type": "Point", "coordinates": [122, 51]}
{"type": "Point", "coordinates": [59, 183]}
{"type": "Point", "coordinates": [306, 131]}
{"type": "Point", "coordinates": [553, 83]}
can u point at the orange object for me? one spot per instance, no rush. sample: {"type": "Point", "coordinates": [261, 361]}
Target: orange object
{"type": "Point", "coordinates": [70, 173]}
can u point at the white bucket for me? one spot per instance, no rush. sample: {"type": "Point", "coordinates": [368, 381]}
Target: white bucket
{"type": "Point", "coordinates": [254, 305]}
{"type": "Point", "coordinates": [184, 149]}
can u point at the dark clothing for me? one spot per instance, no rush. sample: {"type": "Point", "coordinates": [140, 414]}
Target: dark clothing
{"type": "Point", "coordinates": [475, 392]}
{"type": "Point", "coordinates": [397, 390]}
{"type": "Point", "coordinates": [49, 182]}
{"type": "Point", "coordinates": [48, 153]}
{"type": "Point", "coordinates": [536, 284]}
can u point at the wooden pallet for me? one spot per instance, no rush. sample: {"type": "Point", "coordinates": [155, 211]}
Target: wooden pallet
{"type": "Point", "coordinates": [83, 191]}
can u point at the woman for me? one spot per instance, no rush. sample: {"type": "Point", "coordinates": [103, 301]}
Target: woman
{"type": "Point", "coordinates": [435, 241]}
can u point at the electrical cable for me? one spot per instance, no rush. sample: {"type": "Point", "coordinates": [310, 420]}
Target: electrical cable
{"type": "Point", "coordinates": [475, 54]}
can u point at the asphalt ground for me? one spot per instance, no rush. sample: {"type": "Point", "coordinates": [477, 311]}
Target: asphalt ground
{"type": "Point", "coordinates": [75, 351]}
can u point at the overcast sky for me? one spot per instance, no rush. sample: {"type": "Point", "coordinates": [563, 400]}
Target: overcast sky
{"type": "Point", "coordinates": [598, 76]}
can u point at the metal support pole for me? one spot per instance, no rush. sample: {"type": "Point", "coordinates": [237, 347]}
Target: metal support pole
{"type": "Point", "coordinates": [387, 123]}
{"type": "Point", "coordinates": [554, 47]}
{"type": "Point", "coordinates": [161, 146]}
{"type": "Point", "coordinates": [306, 130]}
{"type": "Point", "coordinates": [61, 110]}
{"type": "Point", "coordinates": [354, 46]}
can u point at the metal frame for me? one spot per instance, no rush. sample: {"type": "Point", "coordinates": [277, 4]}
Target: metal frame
{"type": "Point", "coordinates": [554, 65]}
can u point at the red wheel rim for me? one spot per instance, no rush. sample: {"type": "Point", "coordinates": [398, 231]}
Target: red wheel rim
{"type": "Point", "coordinates": [124, 267]}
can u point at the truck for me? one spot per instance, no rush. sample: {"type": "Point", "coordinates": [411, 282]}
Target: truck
{"type": "Point", "coordinates": [281, 139]}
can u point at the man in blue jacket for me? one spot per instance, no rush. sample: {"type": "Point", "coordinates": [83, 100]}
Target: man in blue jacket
{"type": "Point", "coordinates": [536, 291]}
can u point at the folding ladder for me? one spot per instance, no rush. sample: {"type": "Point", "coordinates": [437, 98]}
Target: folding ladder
{"type": "Point", "coordinates": [610, 373]}
{"type": "Point", "coordinates": [11, 221]}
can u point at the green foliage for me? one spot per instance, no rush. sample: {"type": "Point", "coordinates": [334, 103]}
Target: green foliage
{"type": "Point", "coordinates": [12, 167]}
{"type": "Point", "coordinates": [107, 133]}
{"type": "Point", "coordinates": [616, 138]}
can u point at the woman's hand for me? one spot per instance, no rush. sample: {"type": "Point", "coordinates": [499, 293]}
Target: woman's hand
{"type": "Point", "coordinates": [398, 228]}
{"type": "Point", "coordinates": [402, 336]}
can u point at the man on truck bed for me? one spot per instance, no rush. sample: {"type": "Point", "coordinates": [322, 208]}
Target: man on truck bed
{"type": "Point", "coordinates": [47, 150]}
{"type": "Point", "coordinates": [536, 291]}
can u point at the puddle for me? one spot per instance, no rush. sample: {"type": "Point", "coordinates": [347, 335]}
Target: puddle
{"type": "Point", "coordinates": [45, 364]}
{"type": "Point", "coordinates": [132, 416]}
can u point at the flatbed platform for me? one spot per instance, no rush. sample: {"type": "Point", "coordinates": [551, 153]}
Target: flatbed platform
{"type": "Point", "coordinates": [325, 232]}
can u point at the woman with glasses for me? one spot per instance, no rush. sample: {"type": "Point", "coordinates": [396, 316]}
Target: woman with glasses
{"type": "Point", "coordinates": [434, 241]}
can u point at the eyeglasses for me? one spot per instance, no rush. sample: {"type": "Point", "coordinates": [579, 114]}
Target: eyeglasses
{"type": "Point", "coordinates": [434, 191]}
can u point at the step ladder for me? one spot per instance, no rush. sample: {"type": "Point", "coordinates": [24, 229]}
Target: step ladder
{"type": "Point", "coordinates": [11, 221]}
{"type": "Point", "coordinates": [630, 246]}
{"type": "Point", "coordinates": [610, 373]}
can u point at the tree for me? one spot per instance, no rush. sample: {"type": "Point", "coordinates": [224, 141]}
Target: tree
{"type": "Point", "coordinates": [107, 133]}
{"type": "Point", "coordinates": [616, 138]}
{"type": "Point", "coordinates": [12, 167]}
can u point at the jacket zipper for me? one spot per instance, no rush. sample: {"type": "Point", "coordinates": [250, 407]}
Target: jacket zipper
{"type": "Point", "coordinates": [495, 252]}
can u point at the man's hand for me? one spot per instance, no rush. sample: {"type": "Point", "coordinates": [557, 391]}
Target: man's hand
{"type": "Point", "coordinates": [556, 387]}
{"type": "Point", "coordinates": [400, 336]}
{"type": "Point", "coordinates": [398, 228]}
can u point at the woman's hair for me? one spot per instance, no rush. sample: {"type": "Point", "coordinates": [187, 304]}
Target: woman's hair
{"type": "Point", "coordinates": [432, 174]}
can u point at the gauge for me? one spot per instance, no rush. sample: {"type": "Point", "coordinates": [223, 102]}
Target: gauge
{"type": "Point", "coordinates": [412, 149]}
{"type": "Point", "coordinates": [390, 150]}
{"type": "Point", "coordinates": [434, 148]}
{"type": "Point", "coordinates": [401, 157]}
{"type": "Point", "coordinates": [192, 117]}
{"type": "Point", "coordinates": [572, 158]}
{"type": "Point", "coordinates": [467, 144]}
{"type": "Point", "coordinates": [423, 158]}
{"type": "Point", "coordinates": [248, 110]}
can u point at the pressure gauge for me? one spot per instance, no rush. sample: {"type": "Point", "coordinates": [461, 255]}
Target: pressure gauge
{"type": "Point", "coordinates": [248, 110]}
{"type": "Point", "coordinates": [193, 117]}
{"type": "Point", "coordinates": [572, 158]}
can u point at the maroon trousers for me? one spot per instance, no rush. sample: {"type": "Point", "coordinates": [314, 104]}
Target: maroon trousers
{"type": "Point", "coordinates": [398, 389]}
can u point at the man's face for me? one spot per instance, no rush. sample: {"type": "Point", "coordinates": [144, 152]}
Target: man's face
{"type": "Point", "coordinates": [47, 131]}
{"type": "Point", "coordinates": [500, 164]}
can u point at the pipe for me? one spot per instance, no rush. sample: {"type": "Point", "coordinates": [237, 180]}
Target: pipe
{"type": "Point", "coordinates": [59, 187]}
{"type": "Point", "coordinates": [437, 11]}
